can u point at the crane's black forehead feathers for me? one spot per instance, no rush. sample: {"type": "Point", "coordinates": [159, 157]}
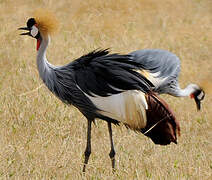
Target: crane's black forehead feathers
{"type": "Point", "coordinates": [31, 22]}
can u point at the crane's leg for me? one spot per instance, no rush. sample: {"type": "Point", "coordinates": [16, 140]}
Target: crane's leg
{"type": "Point", "coordinates": [88, 146]}
{"type": "Point", "coordinates": [112, 151]}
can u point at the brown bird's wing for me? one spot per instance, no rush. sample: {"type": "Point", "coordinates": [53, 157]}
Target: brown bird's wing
{"type": "Point", "coordinates": [162, 126]}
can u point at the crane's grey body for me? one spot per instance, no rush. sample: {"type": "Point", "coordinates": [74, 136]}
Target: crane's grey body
{"type": "Point", "coordinates": [162, 63]}
{"type": "Point", "coordinates": [164, 67]}
{"type": "Point", "coordinates": [91, 76]}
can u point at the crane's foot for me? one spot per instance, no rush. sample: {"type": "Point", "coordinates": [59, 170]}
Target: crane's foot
{"type": "Point", "coordinates": [113, 165]}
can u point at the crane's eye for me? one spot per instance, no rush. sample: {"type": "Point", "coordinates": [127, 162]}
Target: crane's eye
{"type": "Point", "coordinates": [34, 31]}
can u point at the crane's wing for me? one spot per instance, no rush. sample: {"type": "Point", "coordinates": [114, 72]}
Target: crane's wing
{"type": "Point", "coordinates": [105, 86]}
{"type": "Point", "coordinates": [159, 66]}
{"type": "Point", "coordinates": [102, 74]}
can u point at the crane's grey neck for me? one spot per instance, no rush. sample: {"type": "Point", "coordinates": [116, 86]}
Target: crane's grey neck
{"type": "Point", "coordinates": [190, 89]}
{"type": "Point", "coordinates": [44, 67]}
{"type": "Point", "coordinates": [42, 49]}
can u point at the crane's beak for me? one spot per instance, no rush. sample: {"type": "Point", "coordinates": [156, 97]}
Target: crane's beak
{"type": "Point", "coordinates": [26, 33]}
{"type": "Point", "coordinates": [198, 103]}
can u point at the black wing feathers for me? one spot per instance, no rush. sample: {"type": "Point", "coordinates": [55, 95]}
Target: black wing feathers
{"type": "Point", "coordinates": [103, 74]}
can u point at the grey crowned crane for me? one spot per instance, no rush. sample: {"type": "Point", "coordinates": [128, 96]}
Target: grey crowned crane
{"type": "Point", "coordinates": [105, 86]}
{"type": "Point", "coordinates": [162, 69]}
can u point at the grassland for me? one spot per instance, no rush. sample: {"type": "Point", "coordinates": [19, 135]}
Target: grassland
{"type": "Point", "coordinates": [41, 138]}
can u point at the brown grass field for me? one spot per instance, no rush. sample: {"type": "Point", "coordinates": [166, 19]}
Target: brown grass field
{"type": "Point", "coordinates": [41, 138]}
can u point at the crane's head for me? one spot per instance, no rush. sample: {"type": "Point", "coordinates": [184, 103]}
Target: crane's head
{"type": "Point", "coordinates": [198, 95]}
{"type": "Point", "coordinates": [32, 29]}
{"type": "Point", "coordinates": [41, 26]}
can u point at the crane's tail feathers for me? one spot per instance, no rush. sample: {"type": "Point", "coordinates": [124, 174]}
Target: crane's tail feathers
{"type": "Point", "coordinates": [161, 130]}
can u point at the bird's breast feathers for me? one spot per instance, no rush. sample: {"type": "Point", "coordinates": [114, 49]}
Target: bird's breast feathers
{"type": "Point", "coordinates": [128, 107]}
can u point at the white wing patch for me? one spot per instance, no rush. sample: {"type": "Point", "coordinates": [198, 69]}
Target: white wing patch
{"type": "Point", "coordinates": [128, 107]}
{"type": "Point", "coordinates": [152, 77]}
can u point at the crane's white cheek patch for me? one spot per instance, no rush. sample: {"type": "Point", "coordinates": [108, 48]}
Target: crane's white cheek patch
{"type": "Point", "coordinates": [200, 96]}
{"type": "Point", "coordinates": [34, 31]}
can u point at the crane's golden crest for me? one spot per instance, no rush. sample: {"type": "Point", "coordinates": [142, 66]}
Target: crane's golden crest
{"type": "Point", "coordinates": [46, 21]}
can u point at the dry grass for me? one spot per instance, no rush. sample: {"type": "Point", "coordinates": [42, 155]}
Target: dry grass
{"type": "Point", "coordinates": [40, 138]}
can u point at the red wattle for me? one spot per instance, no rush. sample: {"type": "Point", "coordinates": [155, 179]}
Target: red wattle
{"type": "Point", "coordinates": [38, 44]}
{"type": "Point", "coordinates": [191, 96]}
